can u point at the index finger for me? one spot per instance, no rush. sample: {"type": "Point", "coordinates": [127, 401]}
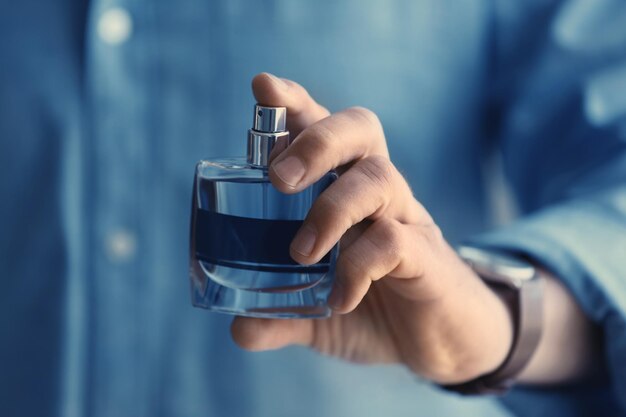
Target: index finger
{"type": "Point", "coordinates": [302, 110]}
{"type": "Point", "coordinates": [344, 137]}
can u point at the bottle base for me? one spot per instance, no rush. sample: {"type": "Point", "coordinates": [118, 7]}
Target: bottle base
{"type": "Point", "coordinates": [306, 303]}
{"type": "Point", "coordinates": [288, 313]}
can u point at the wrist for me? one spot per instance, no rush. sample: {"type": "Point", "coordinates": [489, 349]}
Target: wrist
{"type": "Point", "coordinates": [492, 335]}
{"type": "Point", "coordinates": [478, 329]}
{"type": "Point", "coordinates": [519, 279]}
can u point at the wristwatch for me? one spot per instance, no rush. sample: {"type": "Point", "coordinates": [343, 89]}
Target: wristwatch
{"type": "Point", "coordinates": [519, 282]}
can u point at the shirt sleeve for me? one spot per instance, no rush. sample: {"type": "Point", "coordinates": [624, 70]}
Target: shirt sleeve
{"type": "Point", "coordinates": [583, 242]}
{"type": "Point", "coordinates": [562, 134]}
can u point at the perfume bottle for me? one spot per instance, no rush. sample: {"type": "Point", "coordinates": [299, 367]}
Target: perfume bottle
{"type": "Point", "coordinates": [241, 229]}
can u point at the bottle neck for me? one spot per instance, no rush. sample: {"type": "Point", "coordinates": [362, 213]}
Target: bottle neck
{"type": "Point", "coordinates": [263, 147]}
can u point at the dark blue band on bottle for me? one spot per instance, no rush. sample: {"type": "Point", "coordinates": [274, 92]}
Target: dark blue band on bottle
{"type": "Point", "coordinates": [245, 243]}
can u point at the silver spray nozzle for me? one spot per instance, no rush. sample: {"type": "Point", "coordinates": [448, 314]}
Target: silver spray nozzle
{"type": "Point", "coordinates": [269, 119]}
{"type": "Point", "coordinates": [268, 136]}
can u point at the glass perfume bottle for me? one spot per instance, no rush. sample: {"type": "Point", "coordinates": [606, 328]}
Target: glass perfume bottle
{"type": "Point", "coordinates": [241, 229]}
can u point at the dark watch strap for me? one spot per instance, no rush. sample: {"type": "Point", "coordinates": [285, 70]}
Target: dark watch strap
{"type": "Point", "coordinates": [526, 304]}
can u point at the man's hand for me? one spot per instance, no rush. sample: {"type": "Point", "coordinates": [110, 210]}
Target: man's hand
{"type": "Point", "coordinates": [401, 295]}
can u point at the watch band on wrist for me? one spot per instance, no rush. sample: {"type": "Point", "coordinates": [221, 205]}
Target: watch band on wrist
{"type": "Point", "coordinates": [522, 287]}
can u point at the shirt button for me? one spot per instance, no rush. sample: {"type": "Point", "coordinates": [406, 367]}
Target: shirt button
{"type": "Point", "coordinates": [115, 26]}
{"type": "Point", "coordinates": [121, 245]}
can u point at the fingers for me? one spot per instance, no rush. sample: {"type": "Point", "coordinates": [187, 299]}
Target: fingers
{"type": "Point", "coordinates": [302, 110]}
{"type": "Point", "coordinates": [371, 188]}
{"type": "Point", "coordinates": [344, 137]}
{"type": "Point", "coordinates": [394, 250]}
{"type": "Point", "coordinates": [266, 334]}
{"type": "Point", "coordinates": [380, 251]}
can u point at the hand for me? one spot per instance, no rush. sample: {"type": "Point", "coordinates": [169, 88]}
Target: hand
{"type": "Point", "coordinates": [401, 295]}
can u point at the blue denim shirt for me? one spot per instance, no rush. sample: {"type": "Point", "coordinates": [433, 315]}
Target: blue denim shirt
{"type": "Point", "coordinates": [106, 105]}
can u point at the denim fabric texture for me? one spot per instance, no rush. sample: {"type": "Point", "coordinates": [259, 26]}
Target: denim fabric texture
{"type": "Point", "coordinates": [106, 106]}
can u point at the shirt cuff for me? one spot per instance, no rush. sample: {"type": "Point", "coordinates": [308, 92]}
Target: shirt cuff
{"type": "Point", "coordinates": [584, 244]}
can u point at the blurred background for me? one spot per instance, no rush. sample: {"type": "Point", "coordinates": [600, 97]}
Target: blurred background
{"type": "Point", "coordinates": [106, 106]}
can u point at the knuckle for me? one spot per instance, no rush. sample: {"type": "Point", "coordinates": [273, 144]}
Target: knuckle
{"type": "Point", "coordinates": [319, 140]}
{"type": "Point", "coordinates": [365, 115]}
{"type": "Point", "coordinates": [326, 204]}
{"type": "Point", "coordinates": [330, 210]}
{"type": "Point", "coordinates": [389, 234]}
{"type": "Point", "coordinates": [380, 250]}
{"type": "Point", "coordinates": [432, 235]}
{"type": "Point", "coordinates": [377, 169]}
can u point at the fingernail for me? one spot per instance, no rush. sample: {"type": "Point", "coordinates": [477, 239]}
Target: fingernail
{"type": "Point", "coordinates": [335, 300]}
{"type": "Point", "coordinates": [304, 241]}
{"type": "Point", "coordinates": [290, 170]}
{"type": "Point", "coordinates": [277, 81]}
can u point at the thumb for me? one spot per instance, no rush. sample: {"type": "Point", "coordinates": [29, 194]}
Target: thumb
{"type": "Point", "coordinates": [302, 110]}
{"type": "Point", "coordinates": [257, 334]}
